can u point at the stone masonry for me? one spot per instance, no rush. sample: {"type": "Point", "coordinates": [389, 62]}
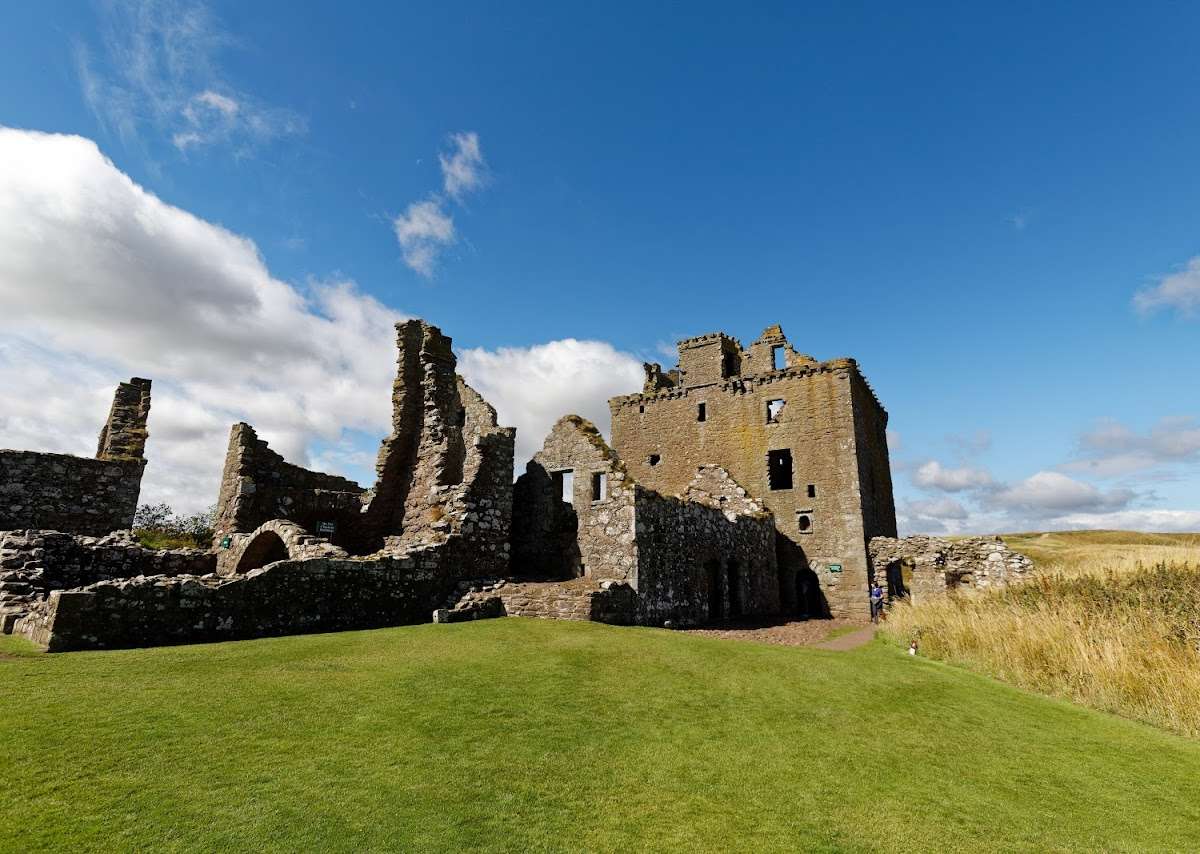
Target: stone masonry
{"type": "Point", "coordinates": [440, 512]}
{"type": "Point", "coordinates": [804, 437]}
{"type": "Point", "coordinates": [703, 556]}
{"type": "Point", "coordinates": [76, 494]}
{"type": "Point", "coordinates": [937, 567]}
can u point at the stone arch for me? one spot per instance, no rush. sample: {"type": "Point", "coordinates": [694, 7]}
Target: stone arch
{"type": "Point", "coordinates": [267, 547]}
{"type": "Point", "coordinates": [279, 539]}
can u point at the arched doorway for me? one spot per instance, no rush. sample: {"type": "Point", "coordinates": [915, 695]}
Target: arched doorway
{"type": "Point", "coordinates": [712, 573]}
{"type": "Point", "coordinates": [266, 548]}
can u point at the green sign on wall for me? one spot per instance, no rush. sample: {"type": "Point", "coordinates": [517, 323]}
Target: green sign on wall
{"type": "Point", "coordinates": [835, 567]}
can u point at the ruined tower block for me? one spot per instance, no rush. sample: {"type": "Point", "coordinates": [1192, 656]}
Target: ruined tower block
{"type": "Point", "coordinates": [77, 494]}
{"type": "Point", "coordinates": [123, 436]}
{"type": "Point", "coordinates": [806, 438]}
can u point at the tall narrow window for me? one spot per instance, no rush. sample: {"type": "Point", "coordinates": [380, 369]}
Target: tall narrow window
{"type": "Point", "coordinates": [778, 362]}
{"type": "Point", "coordinates": [701, 412]}
{"type": "Point", "coordinates": [779, 468]}
{"type": "Point", "coordinates": [599, 486]}
{"type": "Point", "coordinates": [564, 485]}
{"type": "Point", "coordinates": [812, 490]}
{"type": "Point", "coordinates": [728, 368]}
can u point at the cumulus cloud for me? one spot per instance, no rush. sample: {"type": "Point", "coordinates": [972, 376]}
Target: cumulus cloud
{"type": "Point", "coordinates": [160, 71]}
{"type": "Point", "coordinates": [102, 280]}
{"type": "Point", "coordinates": [1112, 449]}
{"type": "Point", "coordinates": [1179, 291]}
{"type": "Point", "coordinates": [423, 230]}
{"type": "Point", "coordinates": [532, 387]}
{"type": "Point", "coordinates": [933, 475]}
{"type": "Point", "coordinates": [1051, 493]}
{"type": "Point", "coordinates": [463, 166]}
{"type": "Point", "coordinates": [426, 228]}
{"type": "Point", "coordinates": [1166, 521]}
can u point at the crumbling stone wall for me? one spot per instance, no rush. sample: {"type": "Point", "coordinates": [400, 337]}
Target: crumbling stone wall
{"type": "Point", "coordinates": [706, 555]}
{"type": "Point", "coordinates": [34, 563]}
{"type": "Point", "coordinates": [579, 599]}
{"type": "Point", "coordinates": [444, 472]}
{"type": "Point", "coordinates": [732, 407]}
{"type": "Point", "coordinates": [258, 485]}
{"type": "Point", "coordinates": [939, 566]}
{"type": "Point", "coordinates": [76, 494]}
{"type": "Point", "coordinates": [285, 597]}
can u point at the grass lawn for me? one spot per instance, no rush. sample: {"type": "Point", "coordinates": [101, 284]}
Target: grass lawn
{"type": "Point", "coordinates": [528, 735]}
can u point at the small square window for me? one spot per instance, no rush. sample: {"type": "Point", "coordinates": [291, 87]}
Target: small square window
{"type": "Point", "coordinates": [701, 412]}
{"type": "Point", "coordinates": [599, 486]}
{"type": "Point", "coordinates": [654, 459]}
{"type": "Point", "coordinates": [805, 523]}
{"type": "Point", "coordinates": [774, 410]}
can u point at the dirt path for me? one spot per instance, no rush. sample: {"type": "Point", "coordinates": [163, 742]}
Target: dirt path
{"type": "Point", "coordinates": [797, 633]}
{"type": "Point", "coordinates": [853, 640]}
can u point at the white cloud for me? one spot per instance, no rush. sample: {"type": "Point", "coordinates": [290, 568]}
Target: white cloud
{"type": "Point", "coordinates": [1134, 520]}
{"type": "Point", "coordinates": [102, 280]}
{"type": "Point", "coordinates": [161, 71]}
{"type": "Point", "coordinates": [1111, 449]}
{"type": "Point", "coordinates": [1051, 493]}
{"type": "Point", "coordinates": [423, 230]}
{"type": "Point", "coordinates": [532, 387]}
{"type": "Point", "coordinates": [462, 168]}
{"type": "Point", "coordinates": [1179, 291]}
{"type": "Point", "coordinates": [933, 475]}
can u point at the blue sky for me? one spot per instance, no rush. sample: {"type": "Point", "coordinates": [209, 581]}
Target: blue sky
{"type": "Point", "coordinates": [968, 201]}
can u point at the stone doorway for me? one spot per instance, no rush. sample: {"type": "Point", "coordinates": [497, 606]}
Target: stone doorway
{"type": "Point", "coordinates": [712, 573]}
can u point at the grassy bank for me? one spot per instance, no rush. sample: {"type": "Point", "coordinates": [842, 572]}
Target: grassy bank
{"type": "Point", "coordinates": [1111, 620]}
{"type": "Point", "coordinates": [527, 735]}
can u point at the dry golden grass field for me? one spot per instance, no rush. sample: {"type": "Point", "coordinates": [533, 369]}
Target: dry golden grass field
{"type": "Point", "coordinates": [1110, 620]}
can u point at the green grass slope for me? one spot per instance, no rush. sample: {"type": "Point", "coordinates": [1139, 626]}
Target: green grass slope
{"type": "Point", "coordinates": [527, 735]}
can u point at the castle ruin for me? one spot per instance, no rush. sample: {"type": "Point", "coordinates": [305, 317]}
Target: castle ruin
{"type": "Point", "coordinates": [745, 483]}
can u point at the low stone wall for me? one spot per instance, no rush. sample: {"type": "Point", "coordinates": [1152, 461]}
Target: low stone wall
{"type": "Point", "coordinates": [287, 597]}
{"type": "Point", "coordinates": [579, 599]}
{"type": "Point", "coordinates": [940, 566]}
{"type": "Point", "coordinates": [66, 493]}
{"type": "Point", "coordinates": [34, 563]}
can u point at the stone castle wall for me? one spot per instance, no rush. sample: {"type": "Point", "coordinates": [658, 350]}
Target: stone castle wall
{"type": "Point", "coordinates": [258, 485]}
{"type": "Point", "coordinates": [822, 413]}
{"type": "Point", "coordinates": [78, 494]}
{"type": "Point", "coordinates": [937, 567]}
{"type": "Point", "coordinates": [704, 556]}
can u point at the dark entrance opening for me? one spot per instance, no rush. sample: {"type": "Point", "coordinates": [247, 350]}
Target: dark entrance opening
{"type": "Point", "coordinates": [895, 580]}
{"type": "Point", "coordinates": [779, 468]}
{"type": "Point", "coordinates": [266, 548]}
{"type": "Point", "coordinates": [733, 576]}
{"type": "Point", "coordinates": [712, 572]}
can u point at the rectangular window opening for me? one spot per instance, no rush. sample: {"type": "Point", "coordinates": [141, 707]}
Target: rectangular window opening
{"type": "Point", "coordinates": [804, 522]}
{"type": "Point", "coordinates": [779, 468]}
{"type": "Point", "coordinates": [774, 410]}
{"type": "Point", "coordinates": [599, 486]}
{"type": "Point", "coordinates": [777, 358]}
{"type": "Point", "coordinates": [564, 485]}
{"type": "Point", "coordinates": [812, 490]}
{"type": "Point", "coordinates": [701, 412]}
